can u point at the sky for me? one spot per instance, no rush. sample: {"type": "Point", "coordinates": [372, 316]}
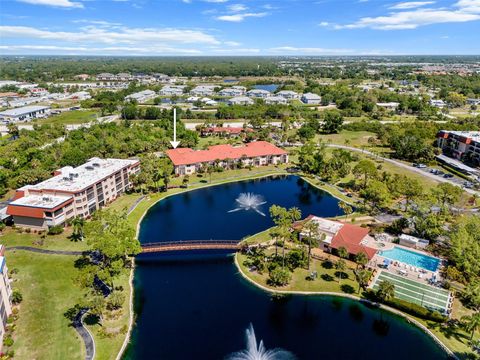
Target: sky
{"type": "Point", "coordinates": [239, 27]}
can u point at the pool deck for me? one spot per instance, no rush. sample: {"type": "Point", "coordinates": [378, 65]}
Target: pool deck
{"type": "Point", "coordinates": [408, 271]}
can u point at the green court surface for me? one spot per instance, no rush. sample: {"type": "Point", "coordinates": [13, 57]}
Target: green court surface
{"type": "Point", "coordinates": [416, 292]}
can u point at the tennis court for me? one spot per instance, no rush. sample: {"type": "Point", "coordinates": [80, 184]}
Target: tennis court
{"type": "Point", "coordinates": [416, 292]}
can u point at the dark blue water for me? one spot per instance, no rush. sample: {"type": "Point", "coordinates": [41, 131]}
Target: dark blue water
{"type": "Point", "coordinates": [203, 214]}
{"type": "Point", "coordinates": [196, 306]}
{"type": "Point", "coordinates": [268, 87]}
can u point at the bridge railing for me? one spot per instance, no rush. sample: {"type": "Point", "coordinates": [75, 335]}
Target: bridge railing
{"type": "Point", "coordinates": [189, 242]}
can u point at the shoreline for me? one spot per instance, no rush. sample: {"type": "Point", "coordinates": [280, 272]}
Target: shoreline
{"type": "Point", "coordinates": [351, 297]}
{"type": "Point", "coordinates": [254, 177]}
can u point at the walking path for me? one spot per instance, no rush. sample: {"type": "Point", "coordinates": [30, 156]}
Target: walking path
{"type": "Point", "coordinates": [85, 335]}
{"type": "Point", "coordinates": [134, 205]}
{"type": "Point", "coordinates": [46, 251]}
{"type": "Point", "coordinates": [405, 166]}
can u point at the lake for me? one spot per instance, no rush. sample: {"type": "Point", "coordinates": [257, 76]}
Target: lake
{"type": "Point", "coordinates": [197, 306]}
{"type": "Point", "coordinates": [268, 87]}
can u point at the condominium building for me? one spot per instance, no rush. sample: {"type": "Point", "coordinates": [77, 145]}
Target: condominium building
{"type": "Point", "coordinates": [187, 161]}
{"type": "Point", "coordinates": [72, 192]}
{"type": "Point", "coordinates": [5, 294]}
{"type": "Point", "coordinates": [462, 145]}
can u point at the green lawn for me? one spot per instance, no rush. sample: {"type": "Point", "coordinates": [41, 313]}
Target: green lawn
{"type": "Point", "coordinates": [71, 117]}
{"type": "Point", "coordinates": [11, 237]}
{"type": "Point", "coordinates": [48, 288]}
{"type": "Point", "coordinates": [327, 280]}
{"type": "Point", "coordinates": [346, 137]}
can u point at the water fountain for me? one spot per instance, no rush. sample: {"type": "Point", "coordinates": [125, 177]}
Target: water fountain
{"type": "Point", "coordinates": [249, 201]}
{"type": "Point", "coordinates": [254, 352]}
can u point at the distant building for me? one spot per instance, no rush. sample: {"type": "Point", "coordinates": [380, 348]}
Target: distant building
{"type": "Point", "coordinates": [389, 105]}
{"type": "Point", "coordinates": [288, 94]}
{"type": "Point", "coordinates": [172, 90]}
{"type": "Point", "coordinates": [462, 145]}
{"type": "Point", "coordinates": [275, 100]}
{"type": "Point", "coordinates": [82, 77]}
{"type": "Point", "coordinates": [106, 77]}
{"type": "Point", "coordinates": [438, 103]}
{"type": "Point", "coordinates": [71, 192]}
{"type": "Point", "coordinates": [123, 77]}
{"type": "Point", "coordinates": [80, 95]}
{"type": "Point", "coordinates": [141, 96]}
{"type": "Point", "coordinates": [311, 98]}
{"type": "Point", "coordinates": [203, 90]}
{"type": "Point", "coordinates": [225, 131]}
{"type": "Point", "coordinates": [187, 161]}
{"type": "Point", "coordinates": [161, 77]}
{"type": "Point", "coordinates": [23, 114]}
{"type": "Point", "coordinates": [334, 235]}
{"type": "Point", "coordinates": [5, 295]}
{"type": "Point", "coordinates": [23, 101]}
{"type": "Point", "coordinates": [231, 92]}
{"type": "Point", "coordinates": [473, 101]}
{"type": "Point", "coordinates": [240, 100]}
{"type": "Point", "coordinates": [259, 93]}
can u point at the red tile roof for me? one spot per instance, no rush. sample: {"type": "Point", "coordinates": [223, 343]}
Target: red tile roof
{"type": "Point", "coordinates": [187, 156]}
{"type": "Point", "coordinates": [350, 237]}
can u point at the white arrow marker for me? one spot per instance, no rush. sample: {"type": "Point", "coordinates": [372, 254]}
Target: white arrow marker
{"type": "Point", "coordinates": [174, 142]}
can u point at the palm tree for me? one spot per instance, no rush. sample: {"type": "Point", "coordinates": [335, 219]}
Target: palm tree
{"type": "Point", "coordinates": [362, 276]}
{"type": "Point", "coordinates": [347, 209]}
{"type": "Point", "coordinates": [78, 224]}
{"type": "Point", "coordinates": [342, 252]}
{"type": "Point", "coordinates": [340, 265]}
{"type": "Point", "coordinates": [311, 232]}
{"type": "Point", "coordinates": [471, 323]}
{"type": "Point", "coordinates": [361, 259]}
{"type": "Point", "coordinates": [386, 290]}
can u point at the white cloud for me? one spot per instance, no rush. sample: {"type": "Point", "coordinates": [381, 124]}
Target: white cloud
{"type": "Point", "coordinates": [411, 4]}
{"type": "Point", "coordinates": [324, 23]}
{"type": "Point", "coordinates": [237, 7]}
{"type": "Point", "coordinates": [55, 3]}
{"type": "Point", "coordinates": [232, 43]}
{"type": "Point", "coordinates": [121, 50]}
{"type": "Point", "coordinates": [120, 35]}
{"type": "Point", "coordinates": [462, 11]}
{"type": "Point", "coordinates": [240, 17]}
{"type": "Point", "coordinates": [216, 1]}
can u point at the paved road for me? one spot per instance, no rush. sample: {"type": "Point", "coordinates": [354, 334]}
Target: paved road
{"type": "Point", "coordinates": [405, 166]}
{"type": "Point", "coordinates": [85, 335]}
{"type": "Point", "coordinates": [45, 251]}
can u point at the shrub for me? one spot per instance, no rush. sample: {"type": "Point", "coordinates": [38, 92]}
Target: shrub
{"type": "Point", "coordinates": [115, 300]}
{"type": "Point", "coordinates": [17, 297]}
{"type": "Point", "coordinates": [279, 277]}
{"type": "Point", "coordinates": [55, 230]}
{"type": "Point", "coordinates": [2, 226]}
{"type": "Point", "coordinates": [8, 341]}
{"type": "Point", "coordinates": [28, 230]}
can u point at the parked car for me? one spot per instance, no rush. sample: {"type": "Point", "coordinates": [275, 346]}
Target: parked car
{"type": "Point", "coordinates": [448, 176]}
{"type": "Point", "coordinates": [422, 166]}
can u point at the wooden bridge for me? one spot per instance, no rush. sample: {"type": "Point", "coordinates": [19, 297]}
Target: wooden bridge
{"type": "Point", "coordinates": [190, 245]}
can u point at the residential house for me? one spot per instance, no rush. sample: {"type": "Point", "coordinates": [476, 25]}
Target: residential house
{"type": "Point", "coordinates": [141, 96]}
{"type": "Point", "coordinates": [203, 90]}
{"type": "Point", "coordinates": [437, 103]}
{"type": "Point", "coordinates": [311, 98]}
{"type": "Point", "coordinates": [172, 90]}
{"type": "Point", "coordinates": [275, 100]}
{"type": "Point", "coordinates": [240, 100]}
{"type": "Point", "coordinates": [288, 94]}
{"type": "Point", "coordinates": [259, 93]}
{"type": "Point", "coordinates": [389, 105]}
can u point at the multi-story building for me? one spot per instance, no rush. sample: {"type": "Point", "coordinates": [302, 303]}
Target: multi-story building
{"type": "Point", "coordinates": [5, 294]}
{"type": "Point", "coordinates": [240, 100]}
{"type": "Point", "coordinates": [288, 94]}
{"type": "Point", "coordinates": [187, 161]}
{"type": "Point", "coordinates": [462, 145]}
{"type": "Point", "coordinates": [259, 93]}
{"type": "Point", "coordinates": [72, 192]}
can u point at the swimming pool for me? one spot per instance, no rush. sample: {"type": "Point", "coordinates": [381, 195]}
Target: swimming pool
{"type": "Point", "coordinates": [411, 258]}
